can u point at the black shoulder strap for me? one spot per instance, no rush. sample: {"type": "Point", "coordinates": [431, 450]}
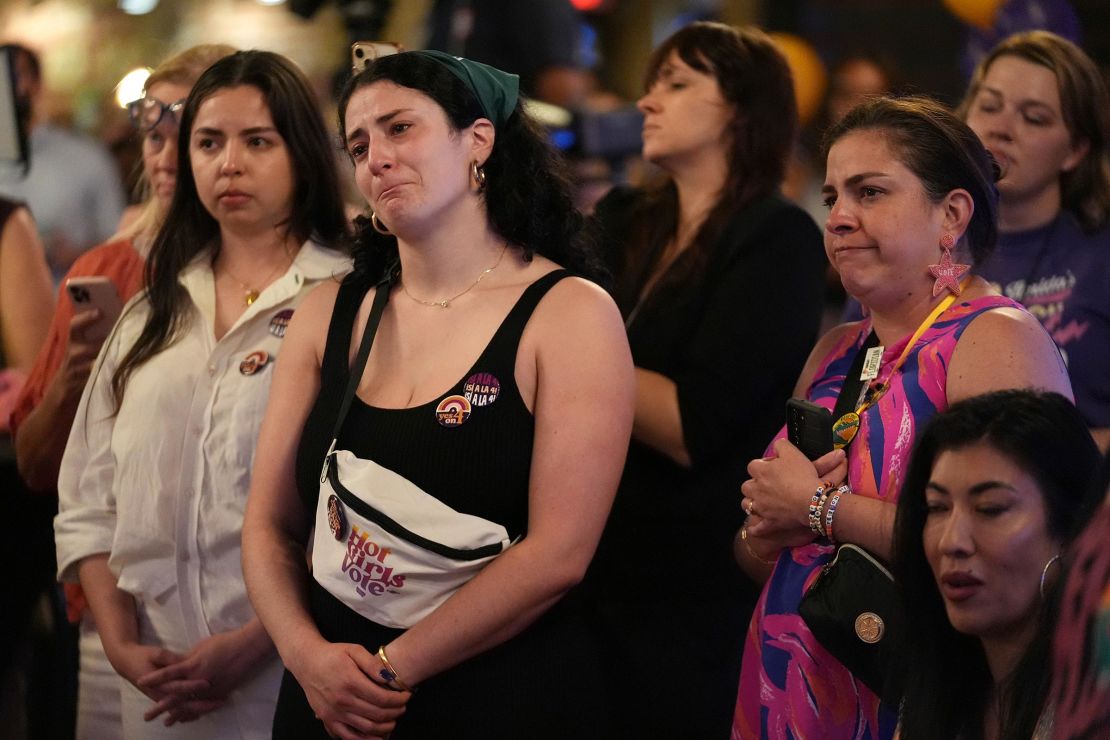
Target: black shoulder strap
{"type": "Point", "coordinates": [336, 362]}
{"type": "Point", "coordinates": [381, 297]}
{"type": "Point", "coordinates": [849, 397]}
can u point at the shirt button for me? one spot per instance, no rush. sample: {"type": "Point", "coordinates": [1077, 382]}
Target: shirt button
{"type": "Point", "coordinates": [211, 369]}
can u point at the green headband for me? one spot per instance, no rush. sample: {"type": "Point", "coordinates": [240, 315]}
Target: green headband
{"type": "Point", "coordinates": [496, 91]}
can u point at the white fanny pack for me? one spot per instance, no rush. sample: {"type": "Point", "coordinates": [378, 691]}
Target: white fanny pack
{"type": "Point", "coordinates": [382, 545]}
{"type": "Point", "coordinates": [390, 551]}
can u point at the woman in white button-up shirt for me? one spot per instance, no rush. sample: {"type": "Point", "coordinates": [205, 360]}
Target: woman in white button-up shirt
{"type": "Point", "coordinates": [154, 479]}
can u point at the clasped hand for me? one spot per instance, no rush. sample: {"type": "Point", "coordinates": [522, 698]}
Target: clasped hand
{"type": "Point", "coordinates": [781, 487]}
{"type": "Point", "coordinates": [135, 662]}
{"type": "Point", "coordinates": [184, 687]}
{"type": "Point", "coordinates": [337, 680]}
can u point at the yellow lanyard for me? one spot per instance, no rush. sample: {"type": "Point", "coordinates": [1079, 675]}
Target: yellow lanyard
{"type": "Point", "coordinates": [845, 428]}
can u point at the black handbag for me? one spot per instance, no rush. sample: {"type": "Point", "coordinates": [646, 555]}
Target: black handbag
{"type": "Point", "coordinates": [854, 611]}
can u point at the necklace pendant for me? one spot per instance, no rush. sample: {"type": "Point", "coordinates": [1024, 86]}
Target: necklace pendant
{"type": "Point", "coordinates": [845, 428]}
{"type": "Point", "coordinates": [443, 304]}
{"type": "Point", "coordinates": [251, 297]}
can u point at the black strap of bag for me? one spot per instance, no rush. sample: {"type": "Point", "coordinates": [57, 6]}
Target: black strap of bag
{"type": "Point", "coordinates": [849, 397]}
{"type": "Point", "coordinates": [381, 297]}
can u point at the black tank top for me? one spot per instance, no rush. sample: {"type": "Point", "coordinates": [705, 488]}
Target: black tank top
{"type": "Point", "coordinates": [522, 687]}
{"type": "Point", "coordinates": [471, 447]}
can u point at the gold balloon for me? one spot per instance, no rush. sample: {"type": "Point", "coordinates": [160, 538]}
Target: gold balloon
{"type": "Point", "coordinates": [808, 72]}
{"type": "Point", "coordinates": [979, 13]}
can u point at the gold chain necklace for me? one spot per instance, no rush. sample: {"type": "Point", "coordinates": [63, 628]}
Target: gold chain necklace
{"type": "Point", "coordinates": [250, 295]}
{"type": "Point", "coordinates": [446, 302]}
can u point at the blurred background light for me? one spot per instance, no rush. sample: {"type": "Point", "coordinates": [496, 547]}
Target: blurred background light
{"type": "Point", "coordinates": [137, 7]}
{"type": "Point", "coordinates": [131, 86]}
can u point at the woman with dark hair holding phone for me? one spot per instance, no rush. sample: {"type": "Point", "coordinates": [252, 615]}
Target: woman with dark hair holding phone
{"type": "Point", "coordinates": [498, 393]}
{"type": "Point", "coordinates": [719, 280]}
{"type": "Point", "coordinates": [997, 488]}
{"type": "Point", "coordinates": [154, 479]}
{"type": "Point", "coordinates": [912, 205]}
{"type": "Point", "coordinates": [1043, 109]}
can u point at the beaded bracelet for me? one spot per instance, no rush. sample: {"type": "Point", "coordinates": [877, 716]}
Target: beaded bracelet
{"type": "Point", "coordinates": [821, 510]}
{"type": "Point", "coordinates": [833, 503]}
{"type": "Point", "coordinates": [388, 674]}
{"type": "Point", "coordinates": [815, 504]}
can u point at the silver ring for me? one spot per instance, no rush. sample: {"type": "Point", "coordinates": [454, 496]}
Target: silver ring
{"type": "Point", "coordinates": [751, 507]}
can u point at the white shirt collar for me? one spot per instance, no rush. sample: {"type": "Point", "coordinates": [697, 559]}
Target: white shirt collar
{"type": "Point", "coordinates": [313, 262]}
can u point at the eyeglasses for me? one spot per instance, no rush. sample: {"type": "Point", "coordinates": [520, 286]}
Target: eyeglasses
{"type": "Point", "coordinates": [146, 113]}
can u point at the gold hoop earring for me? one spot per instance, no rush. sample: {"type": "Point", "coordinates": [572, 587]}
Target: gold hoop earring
{"type": "Point", "coordinates": [479, 175]}
{"type": "Point", "coordinates": [378, 225]}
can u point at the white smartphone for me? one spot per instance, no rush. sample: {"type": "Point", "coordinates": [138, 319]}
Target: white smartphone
{"type": "Point", "coordinates": [98, 292]}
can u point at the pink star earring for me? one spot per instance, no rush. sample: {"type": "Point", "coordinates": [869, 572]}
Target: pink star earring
{"type": "Point", "coordinates": [947, 273]}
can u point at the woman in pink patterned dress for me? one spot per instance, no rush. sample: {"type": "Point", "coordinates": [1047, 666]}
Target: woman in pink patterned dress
{"type": "Point", "coordinates": [911, 196]}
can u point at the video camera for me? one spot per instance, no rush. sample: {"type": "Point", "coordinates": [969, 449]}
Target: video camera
{"type": "Point", "coordinates": [611, 135]}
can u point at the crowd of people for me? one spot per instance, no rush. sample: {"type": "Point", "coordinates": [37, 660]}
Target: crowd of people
{"type": "Point", "coordinates": [476, 464]}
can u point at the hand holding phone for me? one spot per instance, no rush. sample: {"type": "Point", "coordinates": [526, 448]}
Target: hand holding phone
{"type": "Point", "coordinates": [96, 292]}
{"type": "Point", "coordinates": [809, 427]}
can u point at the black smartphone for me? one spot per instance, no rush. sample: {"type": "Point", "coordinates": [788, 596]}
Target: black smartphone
{"type": "Point", "coordinates": [809, 427]}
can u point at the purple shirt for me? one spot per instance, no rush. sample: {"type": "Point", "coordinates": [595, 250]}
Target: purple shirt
{"type": "Point", "coordinates": [1062, 276]}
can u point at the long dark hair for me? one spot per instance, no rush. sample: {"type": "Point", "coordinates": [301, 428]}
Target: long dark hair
{"type": "Point", "coordinates": [527, 194]}
{"type": "Point", "coordinates": [946, 684]}
{"type": "Point", "coordinates": [755, 81]}
{"type": "Point", "coordinates": [1085, 105]}
{"type": "Point", "coordinates": [941, 150]}
{"type": "Point", "coordinates": [189, 228]}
